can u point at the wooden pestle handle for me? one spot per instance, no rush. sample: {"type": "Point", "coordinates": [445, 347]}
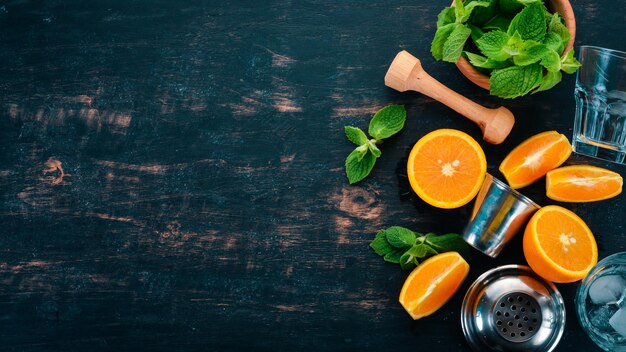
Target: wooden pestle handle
{"type": "Point", "coordinates": [406, 73]}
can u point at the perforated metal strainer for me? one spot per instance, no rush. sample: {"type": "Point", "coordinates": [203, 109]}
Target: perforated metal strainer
{"type": "Point", "coordinates": [510, 308]}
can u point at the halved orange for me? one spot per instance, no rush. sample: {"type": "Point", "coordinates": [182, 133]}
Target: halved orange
{"type": "Point", "coordinates": [582, 183]}
{"type": "Point", "coordinates": [558, 245]}
{"type": "Point", "coordinates": [446, 168]}
{"type": "Point", "coordinates": [433, 283]}
{"type": "Point", "coordinates": [534, 157]}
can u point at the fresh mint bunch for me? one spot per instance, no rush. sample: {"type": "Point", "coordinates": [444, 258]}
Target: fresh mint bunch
{"type": "Point", "coordinates": [385, 123]}
{"type": "Point", "coordinates": [519, 41]}
{"type": "Point", "coordinates": [402, 246]}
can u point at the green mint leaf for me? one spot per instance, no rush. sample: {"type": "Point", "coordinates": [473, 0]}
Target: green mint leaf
{"type": "Point", "coordinates": [355, 135]}
{"type": "Point", "coordinates": [441, 36]}
{"type": "Point", "coordinates": [412, 257]}
{"type": "Point", "coordinates": [419, 250]}
{"type": "Point", "coordinates": [557, 27]}
{"type": "Point", "coordinates": [549, 80]}
{"type": "Point", "coordinates": [445, 17]}
{"type": "Point", "coordinates": [483, 62]}
{"type": "Point", "coordinates": [498, 23]}
{"type": "Point", "coordinates": [371, 145]}
{"type": "Point", "coordinates": [515, 81]}
{"type": "Point", "coordinates": [569, 64]}
{"type": "Point", "coordinates": [530, 23]}
{"type": "Point", "coordinates": [475, 59]}
{"type": "Point", "coordinates": [515, 45]}
{"type": "Point", "coordinates": [394, 256]}
{"type": "Point", "coordinates": [477, 33]}
{"type": "Point", "coordinates": [492, 45]}
{"type": "Point", "coordinates": [482, 15]}
{"type": "Point", "coordinates": [510, 7]}
{"type": "Point", "coordinates": [459, 10]}
{"type": "Point", "coordinates": [387, 121]}
{"type": "Point", "coordinates": [528, 2]}
{"type": "Point", "coordinates": [453, 47]}
{"type": "Point", "coordinates": [430, 251]}
{"type": "Point", "coordinates": [408, 261]}
{"type": "Point", "coordinates": [551, 61]}
{"type": "Point", "coordinates": [356, 169]}
{"type": "Point", "coordinates": [475, 4]}
{"type": "Point", "coordinates": [423, 251]}
{"type": "Point", "coordinates": [380, 244]}
{"type": "Point", "coordinates": [360, 151]}
{"type": "Point", "coordinates": [450, 242]}
{"type": "Point", "coordinates": [553, 42]}
{"type": "Point", "coordinates": [400, 237]}
{"type": "Point", "coordinates": [531, 52]}
{"type": "Point", "coordinates": [469, 8]}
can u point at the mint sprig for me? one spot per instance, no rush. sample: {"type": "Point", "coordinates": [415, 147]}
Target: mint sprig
{"type": "Point", "coordinates": [402, 246]}
{"type": "Point", "coordinates": [385, 123]}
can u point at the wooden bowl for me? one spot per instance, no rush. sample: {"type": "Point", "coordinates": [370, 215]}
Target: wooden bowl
{"type": "Point", "coordinates": [563, 7]}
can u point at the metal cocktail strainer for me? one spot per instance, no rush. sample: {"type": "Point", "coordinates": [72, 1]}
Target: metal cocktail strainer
{"type": "Point", "coordinates": [510, 308]}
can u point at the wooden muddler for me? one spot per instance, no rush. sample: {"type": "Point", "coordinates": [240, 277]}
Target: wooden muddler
{"type": "Point", "coordinates": [406, 73]}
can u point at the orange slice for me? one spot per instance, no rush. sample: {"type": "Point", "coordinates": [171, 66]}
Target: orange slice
{"type": "Point", "coordinates": [582, 183]}
{"type": "Point", "coordinates": [446, 168]}
{"type": "Point", "coordinates": [433, 283]}
{"type": "Point", "coordinates": [534, 157]}
{"type": "Point", "coordinates": [558, 245]}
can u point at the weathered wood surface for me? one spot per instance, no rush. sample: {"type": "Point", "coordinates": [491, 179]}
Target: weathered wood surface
{"type": "Point", "coordinates": [171, 174]}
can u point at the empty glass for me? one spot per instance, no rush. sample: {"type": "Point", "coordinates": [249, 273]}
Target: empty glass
{"type": "Point", "coordinates": [600, 125]}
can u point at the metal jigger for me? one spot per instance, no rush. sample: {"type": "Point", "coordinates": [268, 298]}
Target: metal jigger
{"type": "Point", "coordinates": [499, 213]}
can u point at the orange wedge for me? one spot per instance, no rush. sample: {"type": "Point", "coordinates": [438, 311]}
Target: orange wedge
{"type": "Point", "coordinates": [446, 168]}
{"type": "Point", "coordinates": [558, 245]}
{"type": "Point", "coordinates": [582, 183]}
{"type": "Point", "coordinates": [433, 283]}
{"type": "Point", "coordinates": [534, 157]}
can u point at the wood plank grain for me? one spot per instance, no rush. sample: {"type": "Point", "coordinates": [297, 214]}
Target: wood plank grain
{"type": "Point", "coordinates": [171, 174]}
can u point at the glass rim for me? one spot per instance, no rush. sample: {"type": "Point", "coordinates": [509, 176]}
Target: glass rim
{"type": "Point", "coordinates": [612, 52]}
{"type": "Point", "coordinates": [610, 257]}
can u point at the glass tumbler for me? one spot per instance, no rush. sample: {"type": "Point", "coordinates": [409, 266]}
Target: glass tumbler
{"type": "Point", "coordinates": [600, 123]}
{"type": "Point", "coordinates": [601, 303]}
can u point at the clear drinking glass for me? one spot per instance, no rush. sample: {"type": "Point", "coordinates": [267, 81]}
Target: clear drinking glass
{"type": "Point", "coordinates": [600, 124]}
{"type": "Point", "coordinates": [601, 303]}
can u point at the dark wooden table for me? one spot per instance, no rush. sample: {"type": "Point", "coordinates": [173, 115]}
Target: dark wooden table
{"type": "Point", "coordinates": [171, 174]}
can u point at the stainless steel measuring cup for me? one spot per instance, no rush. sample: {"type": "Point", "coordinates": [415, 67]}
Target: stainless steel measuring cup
{"type": "Point", "coordinates": [499, 213]}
